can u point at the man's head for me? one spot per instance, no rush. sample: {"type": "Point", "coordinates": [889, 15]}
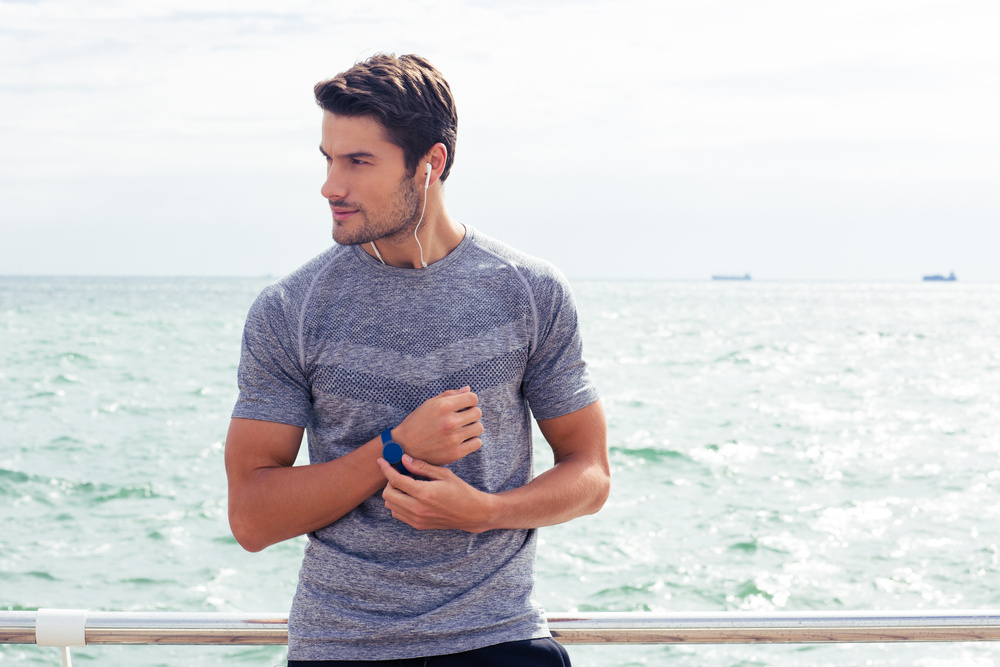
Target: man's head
{"type": "Point", "coordinates": [406, 95]}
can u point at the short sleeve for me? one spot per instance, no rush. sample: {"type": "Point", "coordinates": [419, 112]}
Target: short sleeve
{"type": "Point", "coordinates": [272, 382]}
{"type": "Point", "coordinates": [556, 380]}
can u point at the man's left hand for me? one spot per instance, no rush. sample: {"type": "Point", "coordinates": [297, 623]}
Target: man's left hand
{"type": "Point", "coordinates": [439, 501]}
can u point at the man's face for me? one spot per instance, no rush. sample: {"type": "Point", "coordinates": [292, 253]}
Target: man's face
{"type": "Point", "coordinates": [370, 193]}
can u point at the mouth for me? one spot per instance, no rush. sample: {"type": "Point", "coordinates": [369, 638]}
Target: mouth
{"type": "Point", "coordinates": [342, 213]}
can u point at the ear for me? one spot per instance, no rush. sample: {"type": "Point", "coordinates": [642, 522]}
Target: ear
{"type": "Point", "coordinates": [437, 157]}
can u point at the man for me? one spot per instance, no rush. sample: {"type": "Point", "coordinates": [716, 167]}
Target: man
{"type": "Point", "coordinates": [415, 330]}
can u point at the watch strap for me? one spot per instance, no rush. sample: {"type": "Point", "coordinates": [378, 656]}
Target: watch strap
{"type": "Point", "coordinates": [392, 452]}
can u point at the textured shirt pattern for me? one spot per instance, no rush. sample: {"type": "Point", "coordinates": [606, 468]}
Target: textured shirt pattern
{"type": "Point", "coordinates": [346, 347]}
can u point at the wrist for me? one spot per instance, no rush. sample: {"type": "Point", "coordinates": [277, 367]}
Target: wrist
{"type": "Point", "coordinates": [393, 452]}
{"type": "Point", "coordinates": [492, 512]}
{"type": "Point", "coordinates": [398, 434]}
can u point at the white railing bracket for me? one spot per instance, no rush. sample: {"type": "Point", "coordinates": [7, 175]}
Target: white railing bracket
{"type": "Point", "coordinates": [63, 628]}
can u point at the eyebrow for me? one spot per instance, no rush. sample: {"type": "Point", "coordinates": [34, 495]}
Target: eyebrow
{"type": "Point", "coordinates": [355, 154]}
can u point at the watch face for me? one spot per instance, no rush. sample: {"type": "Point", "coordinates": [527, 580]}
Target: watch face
{"type": "Point", "coordinates": [392, 452]}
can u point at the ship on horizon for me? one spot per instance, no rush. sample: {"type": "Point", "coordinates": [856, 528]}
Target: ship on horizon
{"type": "Point", "coordinates": [745, 276]}
{"type": "Point", "coordinates": [950, 278]}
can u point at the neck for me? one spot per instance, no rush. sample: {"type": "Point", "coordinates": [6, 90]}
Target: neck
{"type": "Point", "coordinates": [438, 235]}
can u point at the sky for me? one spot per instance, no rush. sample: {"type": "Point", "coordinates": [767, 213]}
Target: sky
{"type": "Point", "coordinates": [676, 139]}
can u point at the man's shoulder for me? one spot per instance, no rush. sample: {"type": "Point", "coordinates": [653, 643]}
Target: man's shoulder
{"type": "Point", "coordinates": [285, 298]}
{"type": "Point", "coordinates": [533, 269]}
{"type": "Point", "coordinates": [296, 286]}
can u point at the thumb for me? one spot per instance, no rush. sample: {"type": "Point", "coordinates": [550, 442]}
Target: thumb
{"type": "Point", "coordinates": [424, 469]}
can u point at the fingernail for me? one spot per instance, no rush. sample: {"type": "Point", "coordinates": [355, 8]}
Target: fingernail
{"type": "Point", "coordinates": [407, 458]}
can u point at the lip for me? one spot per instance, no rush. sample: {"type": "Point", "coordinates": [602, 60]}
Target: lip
{"type": "Point", "coordinates": [342, 214]}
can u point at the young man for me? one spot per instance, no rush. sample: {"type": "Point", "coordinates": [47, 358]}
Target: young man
{"type": "Point", "coordinates": [413, 333]}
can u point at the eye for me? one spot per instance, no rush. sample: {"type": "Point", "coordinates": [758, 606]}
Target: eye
{"type": "Point", "coordinates": [357, 161]}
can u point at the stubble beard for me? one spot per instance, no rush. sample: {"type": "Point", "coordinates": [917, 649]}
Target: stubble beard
{"type": "Point", "coordinates": [392, 222]}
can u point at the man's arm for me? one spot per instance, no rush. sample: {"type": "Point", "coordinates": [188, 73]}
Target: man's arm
{"type": "Point", "coordinates": [271, 501]}
{"type": "Point", "coordinates": [577, 484]}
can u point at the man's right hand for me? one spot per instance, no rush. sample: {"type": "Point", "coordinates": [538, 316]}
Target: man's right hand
{"type": "Point", "coordinates": [443, 429]}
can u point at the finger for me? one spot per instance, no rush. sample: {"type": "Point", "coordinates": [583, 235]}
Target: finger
{"type": "Point", "coordinates": [472, 415]}
{"type": "Point", "coordinates": [424, 469]}
{"type": "Point", "coordinates": [470, 430]}
{"type": "Point", "coordinates": [471, 445]}
{"type": "Point", "coordinates": [453, 392]}
{"type": "Point", "coordinates": [386, 469]}
{"type": "Point", "coordinates": [461, 401]}
{"type": "Point", "coordinates": [396, 479]}
{"type": "Point", "coordinates": [397, 503]}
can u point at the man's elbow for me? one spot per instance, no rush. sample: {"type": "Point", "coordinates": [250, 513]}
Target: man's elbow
{"type": "Point", "coordinates": [251, 544]}
{"type": "Point", "coordinates": [247, 536]}
{"type": "Point", "coordinates": [601, 491]}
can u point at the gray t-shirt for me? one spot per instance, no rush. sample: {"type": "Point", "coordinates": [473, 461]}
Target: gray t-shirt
{"type": "Point", "coordinates": [346, 347]}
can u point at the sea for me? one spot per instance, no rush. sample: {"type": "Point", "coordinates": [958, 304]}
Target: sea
{"type": "Point", "coordinates": [792, 446]}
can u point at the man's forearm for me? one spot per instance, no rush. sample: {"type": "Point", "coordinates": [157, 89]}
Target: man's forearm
{"type": "Point", "coordinates": [277, 501]}
{"type": "Point", "coordinates": [570, 489]}
{"type": "Point", "coordinates": [578, 483]}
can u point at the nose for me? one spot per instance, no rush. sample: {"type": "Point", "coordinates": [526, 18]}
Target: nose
{"type": "Point", "coordinates": [334, 186]}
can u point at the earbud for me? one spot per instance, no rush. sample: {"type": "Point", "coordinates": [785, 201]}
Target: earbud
{"type": "Point", "coordinates": [427, 182]}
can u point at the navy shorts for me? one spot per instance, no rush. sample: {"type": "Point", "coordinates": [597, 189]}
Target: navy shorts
{"type": "Point", "coordinates": [545, 652]}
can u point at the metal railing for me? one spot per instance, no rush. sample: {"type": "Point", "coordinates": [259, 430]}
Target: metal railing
{"type": "Point", "coordinates": [66, 628]}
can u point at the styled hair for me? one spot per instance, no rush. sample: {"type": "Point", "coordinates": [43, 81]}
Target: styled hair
{"type": "Point", "coordinates": [406, 95]}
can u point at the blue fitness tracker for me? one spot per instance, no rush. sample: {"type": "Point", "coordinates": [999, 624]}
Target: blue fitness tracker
{"type": "Point", "coordinates": [392, 452]}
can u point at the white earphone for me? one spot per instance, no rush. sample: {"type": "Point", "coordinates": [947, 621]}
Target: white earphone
{"type": "Point", "coordinates": [427, 184]}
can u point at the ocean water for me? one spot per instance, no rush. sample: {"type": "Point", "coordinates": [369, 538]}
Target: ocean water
{"type": "Point", "coordinates": [788, 446]}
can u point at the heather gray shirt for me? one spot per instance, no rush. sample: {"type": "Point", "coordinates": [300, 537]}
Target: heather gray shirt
{"type": "Point", "coordinates": [346, 347]}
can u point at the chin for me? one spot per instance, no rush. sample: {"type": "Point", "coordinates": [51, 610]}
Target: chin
{"type": "Point", "coordinates": [341, 237]}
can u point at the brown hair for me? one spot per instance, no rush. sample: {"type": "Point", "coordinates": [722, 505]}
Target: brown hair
{"type": "Point", "coordinates": [406, 94]}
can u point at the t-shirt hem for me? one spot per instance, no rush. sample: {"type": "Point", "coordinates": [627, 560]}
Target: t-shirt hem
{"type": "Point", "coordinates": [239, 413]}
{"type": "Point", "coordinates": [578, 402]}
{"type": "Point", "coordinates": [334, 651]}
